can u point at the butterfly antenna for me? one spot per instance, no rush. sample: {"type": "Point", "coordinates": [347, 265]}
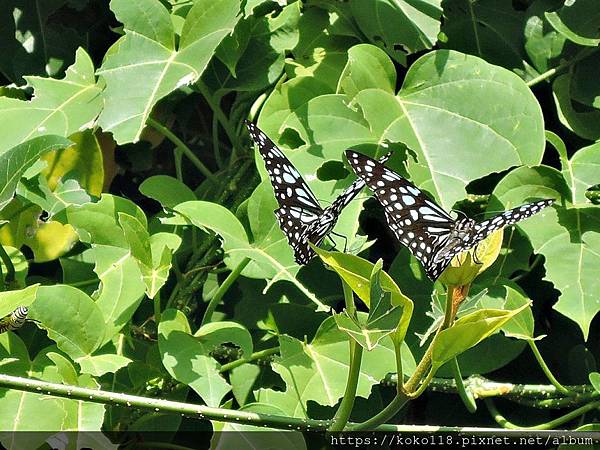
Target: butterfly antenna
{"type": "Point", "coordinates": [458, 212]}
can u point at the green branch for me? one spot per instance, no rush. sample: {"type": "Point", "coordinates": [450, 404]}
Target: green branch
{"type": "Point", "coordinates": [345, 409]}
{"type": "Point", "coordinates": [216, 299]}
{"type": "Point", "coordinates": [503, 422]}
{"type": "Point", "coordinates": [182, 147]}
{"type": "Point", "coordinates": [253, 357]}
{"type": "Point", "coordinates": [465, 395]}
{"type": "Point", "coordinates": [562, 67]}
{"type": "Point", "coordinates": [165, 406]}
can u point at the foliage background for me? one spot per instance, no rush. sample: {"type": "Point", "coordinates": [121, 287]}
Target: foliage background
{"type": "Point", "coordinates": [485, 104]}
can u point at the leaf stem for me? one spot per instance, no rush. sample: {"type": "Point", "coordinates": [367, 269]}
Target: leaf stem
{"type": "Point", "coordinates": [504, 423]}
{"type": "Point", "coordinates": [253, 357]}
{"type": "Point", "coordinates": [561, 67]}
{"type": "Point", "coordinates": [156, 302]}
{"type": "Point", "coordinates": [466, 396]}
{"type": "Point", "coordinates": [216, 299]}
{"type": "Point", "coordinates": [10, 268]}
{"type": "Point", "coordinates": [538, 356]}
{"type": "Point", "coordinates": [342, 415]}
{"type": "Point", "coordinates": [384, 415]}
{"type": "Point", "coordinates": [221, 117]}
{"type": "Point", "coordinates": [183, 147]}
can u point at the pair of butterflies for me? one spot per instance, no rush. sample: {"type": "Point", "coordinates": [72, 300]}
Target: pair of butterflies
{"type": "Point", "coordinates": [428, 231]}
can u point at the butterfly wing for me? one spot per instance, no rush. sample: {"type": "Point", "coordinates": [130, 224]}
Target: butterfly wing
{"type": "Point", "coordinates": [512, 216]}
{"type": "Point", "coordinates": [298, 207]}
{"type": "Point", "coordinates": [416, 221]}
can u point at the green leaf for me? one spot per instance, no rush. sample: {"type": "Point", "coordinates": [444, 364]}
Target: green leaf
{"type": "Point", "coordinates": [543, 45]}
{"type": "Point", "coordinates": [121, 289]}
{"type": "Point", "coordinates": [98, 365]}
{"type": "Point", "coordinates": [242, 379]}
{"type": "Point", "coordinates": [213, 334]}
{"type": "Point", "coordinates": [59, 107]}
{"type": "Point", "coordinates": [166, 190]}
{"type": "Point", "coordinates": [431, 114]}
{"type": "Point", "coordinates": [235, 243]}
{"type": "Point", "coordinates": [401, 27]}
{"type": "Point", "coordinates": [568, 239]}
{"type": "Point", "coordinates": [11, 300]}
{"type": "Point", "coordinates": [187, 359]}
{"type": "Point", "coordinates": [78, 329]}
{"type": "Point", "coordinates": [468, 331]}
{"type": "Point", "coordinates": [595, 380]}
{"type": "Point", "coordinates": [583, 121]}
{"type": "Point", "coordinates": [489, 29]}
{"type": "Point", "coordinates": [577, 21]}
{"type": "Point", "coordinates": [14, 162]}
{"type": "Point", "coordinates": [584, 89]}
{"type": "Point", "coordinates": [97, 223]}
{"type": "Point", "coordinates": [145, 59]}
{"type": "Point", "coordinates": [137, 237]}
{"type": "Point", "coordinates": [318, 370]}
{"type": "Point", "coordinates": [582, 172]}
{"type": "Point", "coordinates": [65, 368]}
{"type": "Point", "coordinates": [367, 67]}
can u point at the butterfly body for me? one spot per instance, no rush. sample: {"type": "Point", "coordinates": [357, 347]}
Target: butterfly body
{"type": "Point", "coordinates": [300, 216]}
{"type": "Point", "coordinates": [430, 233]}
{"type": "Point", "coordinates": [15, 320]}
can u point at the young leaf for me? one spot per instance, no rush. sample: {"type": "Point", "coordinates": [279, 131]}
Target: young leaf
{"type": "Point", "coordinates": [468, 331]}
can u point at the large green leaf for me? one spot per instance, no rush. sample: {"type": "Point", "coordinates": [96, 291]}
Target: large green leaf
{"type": "Point", "coordinates": [318, 370]}
{"type": "Point", "coordinates": [144, 65]}
{"type": "Point", "coordinates": [59, 107]}
{"type": "Point", "coordinates": [14, 162]}
{"type": "Point", "coordinates": [435, 116]}
{"type": "Point", "coordinates": [568, 238]}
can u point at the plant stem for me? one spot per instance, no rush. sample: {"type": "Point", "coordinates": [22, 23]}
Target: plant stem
{"type": "Point", "coordinates": [214, 302]}
{"type": "Point", "coordinates": [561, 67]}
{"type": "Point", "coordinates": [253, 357]}
{"type": "Point", "coordinates": [349, 299]}
{"type": "Point", "coordinates": [342, 415]}
{"type": "Point", "coordinates": [183, 147]}
{"type": "Point", "coordinates": [215, 141]}
{"type": "Point", "coordinates": [538, 356]}
{"type": "Point", "coordinates": [221, 117]}
{"type": "Point", "coordinates": [503, 422]}
{"type": "Point", "coordinates": [158, 405]}
{"type": "Point", "coordinates": [384, 415]}
{"type": "Point", "coordinates": [465, 396]}
{"type": "Point", "coordinates": [156, 302]}
{"type": "Point", "coordinates": [10, 268]}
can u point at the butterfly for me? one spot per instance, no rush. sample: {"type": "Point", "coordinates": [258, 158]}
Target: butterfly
{"type": "Point", "coordinates": [300, 215]}
{"type": "Point", "coordinates": [429, 232]}
{"type": "Point", "coordinates": [15, 320]}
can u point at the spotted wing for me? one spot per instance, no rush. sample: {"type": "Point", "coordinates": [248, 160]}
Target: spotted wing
{"type": "Point", "coordinates": [512, 216]}
{"type": "Point", "coordinates": [416, 221]}
{"type": "Point", "coordinates": [351, 191]}
{"type": "Point", "coordinates": [298, 207]}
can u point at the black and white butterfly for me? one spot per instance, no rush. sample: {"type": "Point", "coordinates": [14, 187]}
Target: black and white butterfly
{"type": "Point", "coordinates": [428, 231]}
{"type": "Point", "coordinates": [300, 215]}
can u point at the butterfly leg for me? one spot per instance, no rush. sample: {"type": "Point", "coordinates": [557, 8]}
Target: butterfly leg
{"type": "Point", "coordinates": [475, 258]}
{"type": "Point", "coordinates": [341, 236]}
